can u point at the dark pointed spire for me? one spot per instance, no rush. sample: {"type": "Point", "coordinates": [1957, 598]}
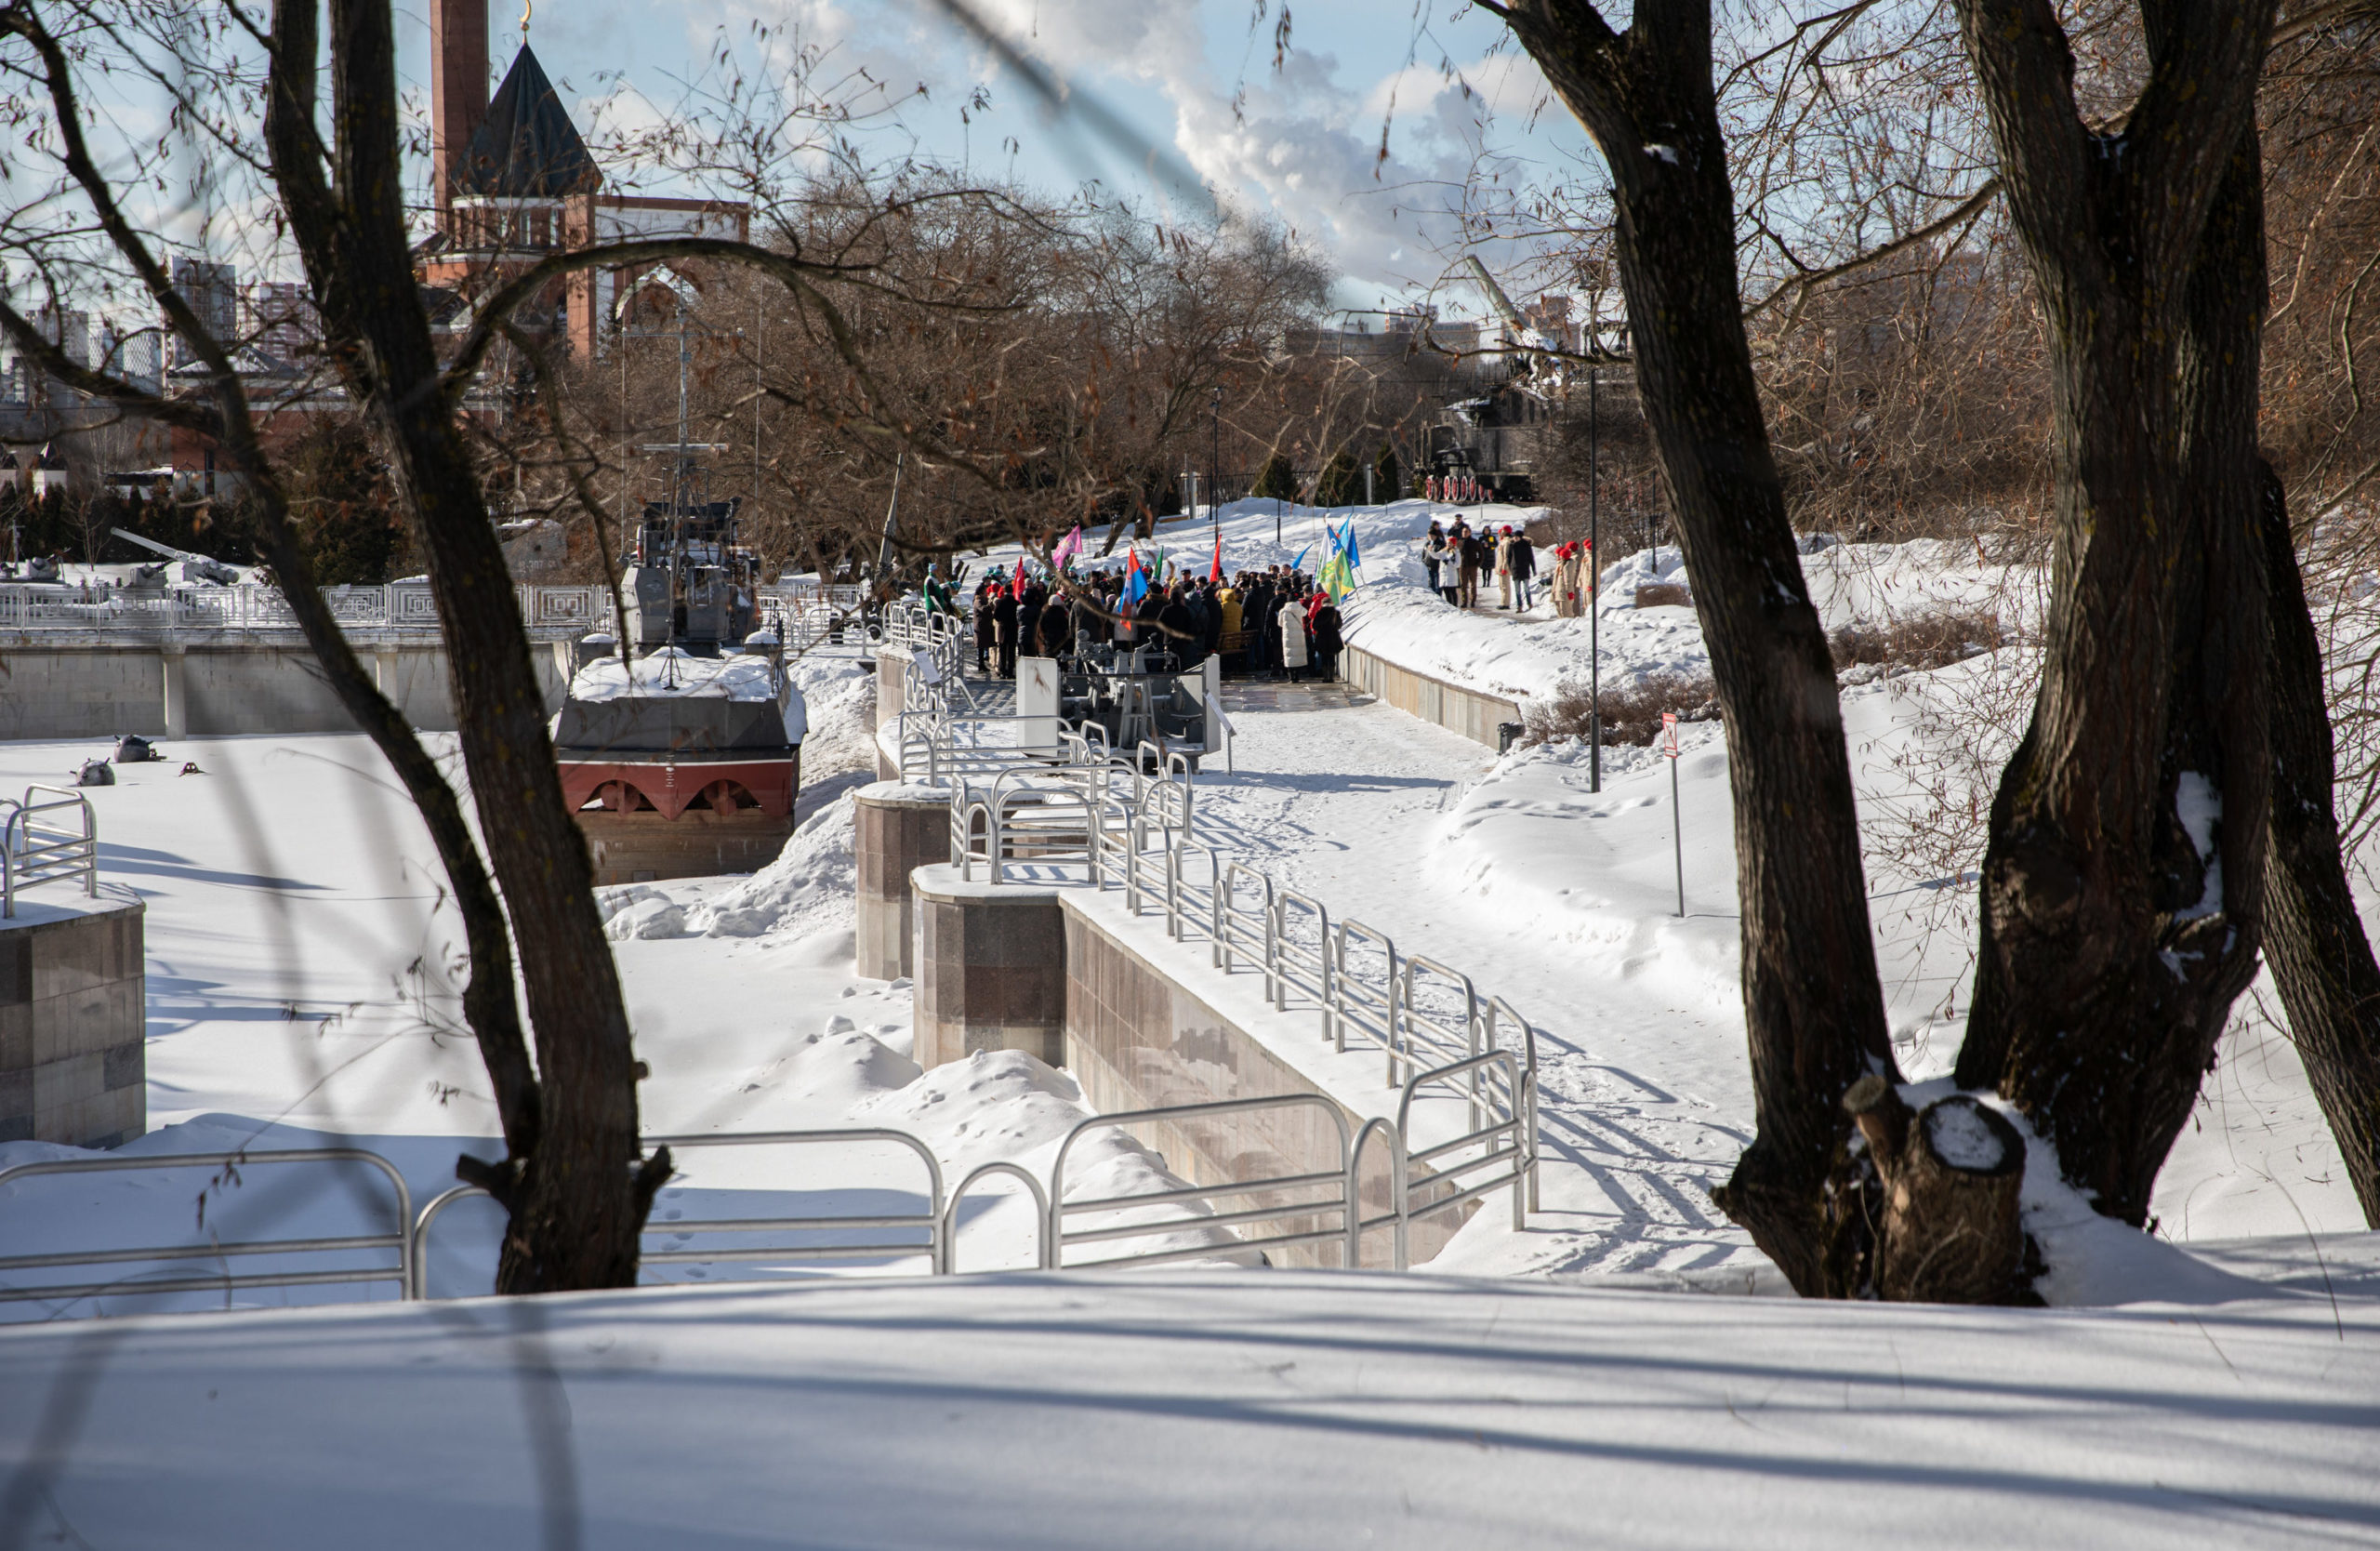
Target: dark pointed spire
{"type": "Point", "coordinates": [527, 148]}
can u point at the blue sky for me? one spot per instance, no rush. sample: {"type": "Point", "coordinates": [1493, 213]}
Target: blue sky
{"type": "Point", "coordinates": [1302, 146]}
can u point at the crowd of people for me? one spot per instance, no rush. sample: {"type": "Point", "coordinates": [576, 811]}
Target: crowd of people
{"type": "Point", "coordinates": [1457, 558]}
{"type": "Point", "coordinates": [1271, 623]}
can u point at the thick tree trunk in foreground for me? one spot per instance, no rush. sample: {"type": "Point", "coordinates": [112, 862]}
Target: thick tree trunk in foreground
{"type": "Point", "coordinates": [489, 1003]}
{"type": "Point", "coordinates": [2314, 937]}
{"type": "Point", "coordinates": [491, 1006]}
{"type": "Point", "coordinates": [1811, 999]}
{"type": "Point", "coordinates": [2121, 884]}
{"type": "Point", "coordinates": [579, 1200]}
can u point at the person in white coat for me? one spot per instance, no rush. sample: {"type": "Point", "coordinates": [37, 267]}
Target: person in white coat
{"type": "Point", "coordinates": [1293, 657]}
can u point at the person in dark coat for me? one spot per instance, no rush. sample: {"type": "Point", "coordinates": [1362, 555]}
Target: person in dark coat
{"type": "Point", "coordinates": [1322, 633]}
{"type": "Point", "coordinates": [1057, 629]}
{"type": "Point", "coordinates": [986, 633]}
{"type": "Point", "coordinates": [1523, 562]}
{"type": "Point", "coordinates": [1271, 636]}
{"type": "Point", "coordinates": [1178, 634]}
{"type": "Point", "coordinates": [1004, 630]}
{"type": "Point", "coordinates": [1028, 619]}
{"type": "Point", "coordinates": [1255, 612]}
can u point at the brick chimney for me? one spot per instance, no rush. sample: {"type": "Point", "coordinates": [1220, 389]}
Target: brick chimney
{"type": "Point", "coordinates": [457, 90]}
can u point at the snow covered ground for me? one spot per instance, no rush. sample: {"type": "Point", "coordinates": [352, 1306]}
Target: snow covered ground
{"type": "Point", "coordinates": [1164, 1409]}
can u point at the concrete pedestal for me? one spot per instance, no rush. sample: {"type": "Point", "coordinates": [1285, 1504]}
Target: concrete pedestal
{"type": "Point", "coordinates": [73, 1015]}
{"type": "Point", "coordinates": [991, 962]}
{"type": "Point", "coordinates": [896, 829]}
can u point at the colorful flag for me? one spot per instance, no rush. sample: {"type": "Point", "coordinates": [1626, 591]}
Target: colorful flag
{"type": "Point", "coordinates": [1338, 579]}
{"type": "Point", "coordinates": [1136, 581]}
{"type": "Point", "coordinates": [1215, 571]}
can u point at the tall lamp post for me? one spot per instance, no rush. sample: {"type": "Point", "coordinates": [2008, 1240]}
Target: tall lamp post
{"type": "Point", "coordinates": [1215, 463]}
{"type": "Point", "coordinates": [1594, 584]}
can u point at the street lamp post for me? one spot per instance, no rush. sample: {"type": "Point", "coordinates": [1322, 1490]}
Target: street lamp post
{"type": "Point", "coordinates": [1594, 584]}
{"type": "Point", "coordinates": [1215, 463]}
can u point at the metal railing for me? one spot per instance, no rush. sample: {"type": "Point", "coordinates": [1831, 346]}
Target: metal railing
{"type": "Point", "coordinates": [928, 1222]}
{"type": "Point", "coordinates": [1287, 1204]}
{"type": "Point", "coordinates": [399, 1239]}
{"type": "Point", "coordinates": [1133, 823]}
{"type": "Point", "coordinates": [34, 852]}
{"type": "Point", "coordinates": [1503, 1128]}
{"type": "Point", "coordinates": [1300, 1195]}
{"type": "Point", "coordinates": [400, 608]}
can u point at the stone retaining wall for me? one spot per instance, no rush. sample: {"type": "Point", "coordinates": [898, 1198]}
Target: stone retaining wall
{"type": "Point", "coordinates": [74, 1019]}
{"type": "Point", "coordinates": [219, 685]}
{"type": "Point", "coordinates": [1473, 714]}
{"type": "Point", "coordinates": [896, 829]}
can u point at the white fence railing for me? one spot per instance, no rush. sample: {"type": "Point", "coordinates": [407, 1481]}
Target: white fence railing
{"type": "Point", "coordinates": [399, 608]}
{"type": "Point", "coordinates": [38, 844]}
{"type": "Point", "coordinates": [1063, 809]}
{"type": "Point", "coordinates": [1321, 1206]}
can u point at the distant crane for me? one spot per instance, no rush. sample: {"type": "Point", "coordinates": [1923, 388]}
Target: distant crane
{"type": "Point", "coordinates": [1522, 332]}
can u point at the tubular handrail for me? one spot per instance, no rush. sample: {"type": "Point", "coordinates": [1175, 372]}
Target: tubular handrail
{"type": "Point", "coordinates": [1289, 958]}
{"type": "Point", "coordinates": [930, 1221]}
{"type": "Point", "coordinates": [1226, 932]}
{"type": "Point", "coordinates": [1418, 1021]}
{"type": "Point", "coordinates": [949, 1266]}
{"type": "Point", "coordinates": [1057, 1236]}
{"type": "Point", "coordinates": [401, 1240]}
{"type": "Point", "coordinates": [30, 856]}
{"type": "Point", "coordinates": [1515, 1126]}
{"type": "Point", "coordinates": [1358, 1003]}
{"type": "Point", "coordinates": [1506, 1144]}
{"type": "Point", "coordinates": [1399, 1197]}
{"type": "Point", "coordinates": [1145, 803]}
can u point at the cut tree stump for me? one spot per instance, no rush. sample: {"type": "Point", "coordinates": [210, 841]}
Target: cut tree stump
{"type": "Point", "coordinates": [1953, 1175]}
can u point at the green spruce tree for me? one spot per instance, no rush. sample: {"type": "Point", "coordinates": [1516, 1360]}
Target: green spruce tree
{"type": "Point", "coordinates": [1342, 483]}
{"type": "Point", "coordinates": [1276, 480]}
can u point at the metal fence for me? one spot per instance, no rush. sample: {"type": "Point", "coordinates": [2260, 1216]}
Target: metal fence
{"type": "Point", "coordinates": [808, 612]}
{"type": "Point", "coordinates": [38, 846]}
{"type": "Point", "coordinates": [399, 608]}
{"type": "Point", "coordinates": [1060, 809]}
{"type": "Point", "coordinates": [227, 1277]}
{"type": "Point", "coordinates": [878, 1236]}
{"type": "Point", "coordinates": [1291, 1206]}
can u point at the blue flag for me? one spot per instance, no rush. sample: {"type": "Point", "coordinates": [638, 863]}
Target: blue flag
{"type": "Point", "coordinates": [1299, 563]}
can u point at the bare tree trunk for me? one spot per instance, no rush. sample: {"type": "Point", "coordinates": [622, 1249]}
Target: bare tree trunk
{"type": "Point", "coordinates": [2121, 883]}
{"type": "Point", "coordinates": [579, 1200]}
{"type": "Point", "coordinates": [1811, 999]}
{"type": "Point", "coordinates": [489, 1003]}
{"type": "Point", "coordinates": [2314, 937]}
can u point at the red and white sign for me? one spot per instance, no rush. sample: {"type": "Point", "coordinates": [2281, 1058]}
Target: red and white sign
{"type": "Point", "coordinates": [1669, 735]}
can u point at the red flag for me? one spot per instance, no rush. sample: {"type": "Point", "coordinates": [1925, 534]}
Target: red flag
{"type": "Point", "coordinates": [1215, 572]}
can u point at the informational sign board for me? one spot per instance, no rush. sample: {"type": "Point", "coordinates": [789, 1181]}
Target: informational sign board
{"type": "Point", "coordinates": [1037, 705]}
